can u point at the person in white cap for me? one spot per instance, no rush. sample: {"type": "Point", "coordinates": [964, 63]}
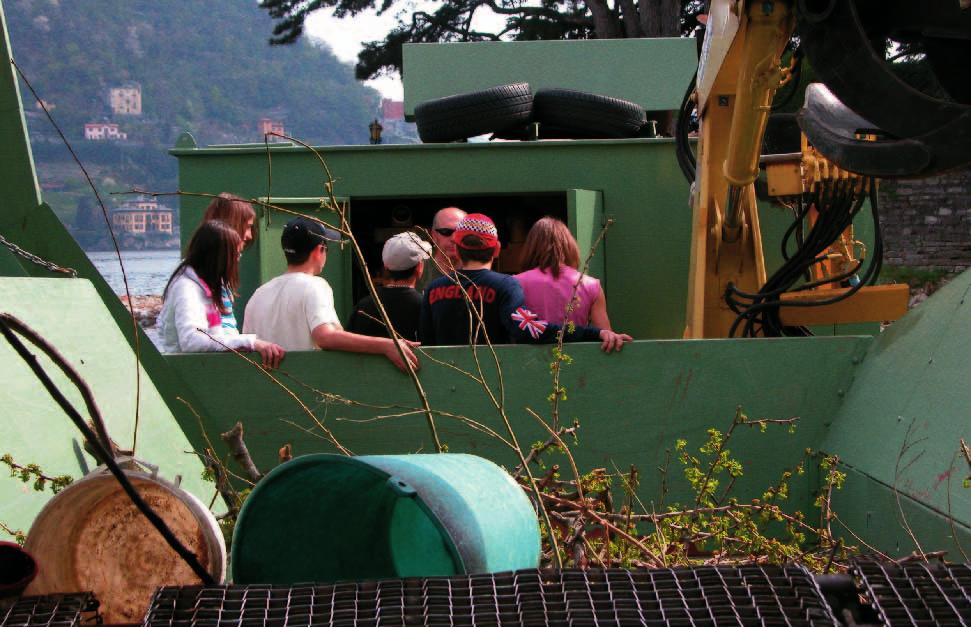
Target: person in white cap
{"type": "Point", "coordinates": [405, 256]}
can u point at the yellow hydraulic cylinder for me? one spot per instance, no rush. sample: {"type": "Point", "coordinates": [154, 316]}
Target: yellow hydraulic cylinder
{"type": "Point", "coordinates": [768, 26]}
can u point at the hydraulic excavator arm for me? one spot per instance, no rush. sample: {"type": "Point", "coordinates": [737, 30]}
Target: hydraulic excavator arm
{"type": "Point", "coordinates": [829, 180]}
{"type": "Point", "coordinates": [738, 76]}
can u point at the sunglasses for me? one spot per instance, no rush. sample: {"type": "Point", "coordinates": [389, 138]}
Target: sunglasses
{"type": "Point", "coordinates": [445, 232]}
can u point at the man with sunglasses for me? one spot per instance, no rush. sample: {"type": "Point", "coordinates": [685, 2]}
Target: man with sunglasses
{"type": "Point", "coordinates": [446, 256]}
{"type": "Point", "coordinates": [297, 307]}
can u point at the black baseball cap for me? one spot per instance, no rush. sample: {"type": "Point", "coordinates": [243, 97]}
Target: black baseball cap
{"type": "Point", "coordinates": [301, 235]}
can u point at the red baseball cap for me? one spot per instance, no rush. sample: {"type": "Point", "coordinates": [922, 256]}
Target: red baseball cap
{"type": "Point", "coordinates": [479, 225]}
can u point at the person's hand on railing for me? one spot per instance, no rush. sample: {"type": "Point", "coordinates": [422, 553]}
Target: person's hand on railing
{"type": "Point", "coordinates": [611, 341]}
{"type": "Point", "coordinates": [406, 345]}
{"type": "Point", "coordinates": [271, 354]}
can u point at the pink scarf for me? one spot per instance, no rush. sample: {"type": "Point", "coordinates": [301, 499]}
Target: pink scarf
{"type": "Point", "coordinates": [213, 317]}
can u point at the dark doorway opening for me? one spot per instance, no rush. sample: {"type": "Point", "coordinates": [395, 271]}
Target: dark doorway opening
{"type": "Point", "coordinates": [374, 220]}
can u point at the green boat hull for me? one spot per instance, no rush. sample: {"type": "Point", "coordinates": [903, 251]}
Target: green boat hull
{"type": "Point", "coordinates": [862, 397]}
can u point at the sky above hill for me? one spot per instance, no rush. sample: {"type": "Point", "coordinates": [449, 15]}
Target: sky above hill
{"type": "Point", "coordinates": [345, 37]}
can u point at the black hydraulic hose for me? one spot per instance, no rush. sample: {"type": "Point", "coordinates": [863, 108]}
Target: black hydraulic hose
{"type": "Point", "coordinates": [771, 307]}
{"type": "Point", "coordinates": [794, 228]}
{"type": "Point", "coordinates": [804, 287]}
{"type": "Point", "coordinates": [837, 207]}
{"type": "Point", "coordinates": [686, 158]}
{"type": "Point", "coordinates": [829, 233]}
{"type": "Point", "coordinates": [824, 231]}
{"type": "Point", "coordinates": [8, 324]}
{"type": "Point", "coordinates": [877, 233]}
{"type": "Point", "coordinates": [833, 279]}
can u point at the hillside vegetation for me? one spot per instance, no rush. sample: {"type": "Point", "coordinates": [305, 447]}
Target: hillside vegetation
{"type": "Point", "coordinates": [203, 66]}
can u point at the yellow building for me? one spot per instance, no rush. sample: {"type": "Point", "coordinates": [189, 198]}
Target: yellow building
{"type": "Point", "coordinates": [143, 215]}
{"type": "Point", "coordinates": [126, 100]}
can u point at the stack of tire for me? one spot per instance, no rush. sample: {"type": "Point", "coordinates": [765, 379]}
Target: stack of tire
{"type": "Point", "coordinates": [509, 112]}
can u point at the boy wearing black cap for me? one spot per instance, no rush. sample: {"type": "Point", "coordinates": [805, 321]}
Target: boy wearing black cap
{"type": "Point", "coordinates": [447, 318]}
{"type": "Point", "coordinates": [296, 309]}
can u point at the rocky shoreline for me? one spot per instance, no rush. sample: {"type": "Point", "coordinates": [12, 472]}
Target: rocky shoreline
{"type": "Point", "coordinates": [146, 308]}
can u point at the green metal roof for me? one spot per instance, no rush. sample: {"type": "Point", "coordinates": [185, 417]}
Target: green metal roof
{"type": "Point", "coordinates": [651, 72]}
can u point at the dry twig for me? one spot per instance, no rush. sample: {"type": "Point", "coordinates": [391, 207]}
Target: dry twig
{"type": "Point", "coordinates": [905, 447]}
{"type": "Point", "coordinates": [555, 439]}
{"type": "Point", "coordinates": [557, 364]}
{"type": "Point", "coordinates": [950, 516]}
{"type": "Point", "coordinates": [211, 461]}
{"type": "Point", "coordinates": [330, 436]}
{"type": "Point", "coordinates": [234, 439]}
{"type": "Point", "coordinates": [114, 241]}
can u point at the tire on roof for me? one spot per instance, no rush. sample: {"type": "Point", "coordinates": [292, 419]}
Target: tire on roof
{"type": "Point", "coordinates": [580, 114]}
{"type": "Point", "coordinates": [458, 117]}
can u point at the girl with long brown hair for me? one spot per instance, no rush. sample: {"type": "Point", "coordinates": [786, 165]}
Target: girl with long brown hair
{"type": "Point", "coordinates": [192, 308]}
{"type": "Point", "coordinates": [239, 214]}
{"type": "Point", "coordinates": [235, 211]}
{"type": "Point", "coordinates": [551, 280]}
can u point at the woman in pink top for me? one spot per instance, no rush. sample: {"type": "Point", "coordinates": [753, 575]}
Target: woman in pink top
{"type": "Point", "coordinates": [552, 256]}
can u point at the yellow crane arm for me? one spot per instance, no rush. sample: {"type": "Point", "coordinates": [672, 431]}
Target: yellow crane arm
{"type": "Point", "coordinates": [739, 73]}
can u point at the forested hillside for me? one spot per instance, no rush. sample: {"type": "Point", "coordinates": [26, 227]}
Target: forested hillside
{"type": "Point", "coordinates": [202, 66]}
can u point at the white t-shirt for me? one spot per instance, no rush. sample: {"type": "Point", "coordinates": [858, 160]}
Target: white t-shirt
{"type": "Point", "coordinates": [285, 310]}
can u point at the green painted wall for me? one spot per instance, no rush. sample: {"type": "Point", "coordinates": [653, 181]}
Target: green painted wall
{"type": "Point", "coordinates": [632, 405]}
{"type": "Point", "coordinates": [914, 378]}
{"type": "Point", "coordinates": [654, 73]}
{"type": "Point", "coordinates": [641, 188]}
{"type": "Point", "coordinates": [17, 179]}
{"type": "Point", "coordinates": [70, 314]}
{"type": "Point", "coordinates": [870, 514]}
{"type": "Point", "coordinates": [24, 219]}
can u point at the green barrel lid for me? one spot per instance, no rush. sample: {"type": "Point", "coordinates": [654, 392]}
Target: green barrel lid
{"type": "Point", "coordinates": [327, 518]}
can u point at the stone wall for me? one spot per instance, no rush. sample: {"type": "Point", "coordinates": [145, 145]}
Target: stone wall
{"type": "Point", "coordinates": [927, 222]}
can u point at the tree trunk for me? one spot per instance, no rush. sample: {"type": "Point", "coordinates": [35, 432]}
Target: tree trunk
{"type": "Point", "coordinates": [670, 18]}
{"type": "Point", "coordinates": [660, 18]}
{"type": "Point", "coordinates": [630, 18]}
{"type": "Point", "coordinates": [604, 22]}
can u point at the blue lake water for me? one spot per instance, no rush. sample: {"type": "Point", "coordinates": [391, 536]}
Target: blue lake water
{"type": "Point", "coordinates": [147, 270]}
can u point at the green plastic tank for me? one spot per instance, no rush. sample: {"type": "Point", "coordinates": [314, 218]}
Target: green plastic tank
{"type": "Point", "coordinates": [326, 518]}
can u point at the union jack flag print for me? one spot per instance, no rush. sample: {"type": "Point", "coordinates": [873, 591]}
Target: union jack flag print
{"type": "Point", "coordinates": [528, 321]}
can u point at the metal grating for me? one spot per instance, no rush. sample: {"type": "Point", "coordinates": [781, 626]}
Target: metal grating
{"type": "Point", "coordinates": [917, 593]}
{"type": "Point", "coordinates": [769, 595]}
{"type": "Point", "coordinates": [57, 610]}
